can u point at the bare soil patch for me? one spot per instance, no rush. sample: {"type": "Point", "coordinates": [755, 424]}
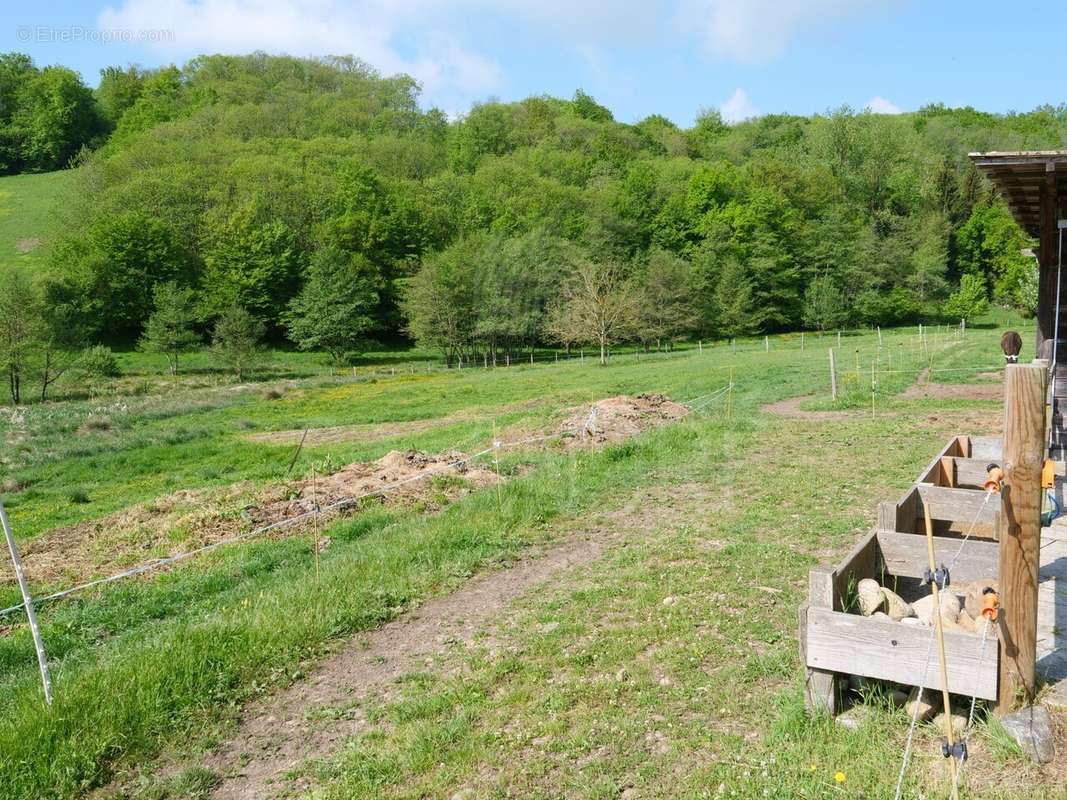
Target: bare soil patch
{"type": "Point", "coordinates": [922, 388]}
{"type": "Point", "coordinates": [616, 419]}
{"type": "Point", "coordinates": [189, 519]}
{"type": "Point", "coordinates": [791, 407]}
{"type": "Point", "coordinates": [27, 245]}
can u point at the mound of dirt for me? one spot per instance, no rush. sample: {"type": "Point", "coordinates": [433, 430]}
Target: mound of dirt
{"type": "Point", "coordinates": [189, 519]}
{"type": "Point", "coordinates": [616, 419]}
{"type": "Point", "coordinates": [400, 477]}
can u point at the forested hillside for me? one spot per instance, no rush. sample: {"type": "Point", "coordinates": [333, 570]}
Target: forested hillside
{"type": "Point", "coordinates": [319, 197]}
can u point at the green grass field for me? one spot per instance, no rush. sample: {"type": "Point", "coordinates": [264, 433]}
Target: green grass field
{"type": "Point", "coordinates": [722, 514]}
{"type": "Point", "coordinates": [31, 217]}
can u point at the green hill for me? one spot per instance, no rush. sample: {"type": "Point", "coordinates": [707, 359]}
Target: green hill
{"type": "Point", "coordinates": [30, 208]}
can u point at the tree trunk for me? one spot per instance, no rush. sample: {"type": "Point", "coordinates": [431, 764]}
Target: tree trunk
{"type": "Point", "coordinates": [603, 352]}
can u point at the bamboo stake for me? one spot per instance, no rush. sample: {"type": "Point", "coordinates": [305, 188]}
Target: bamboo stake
{"type": "Point", "coordinates": [939, 627]}
{"type": "Point", "coordinates": [31, 613]}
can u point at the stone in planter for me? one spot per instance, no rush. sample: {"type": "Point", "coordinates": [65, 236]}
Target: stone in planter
{"type": "Point", "coordinates": [870, 597]}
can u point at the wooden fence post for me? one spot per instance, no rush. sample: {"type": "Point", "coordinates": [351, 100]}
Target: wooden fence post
{"type": "Point", "coordinates": [833, 375]}
{"type": "Point", "coordinates": [766, 344]}
{"type": "Point", "coordinates": [27, 599]}
{"type": "Point", "coordinates": [1020, 540]}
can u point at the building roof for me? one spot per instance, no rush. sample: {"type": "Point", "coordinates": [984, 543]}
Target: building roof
{"type": "Point", "coordinates": [1019, 177]}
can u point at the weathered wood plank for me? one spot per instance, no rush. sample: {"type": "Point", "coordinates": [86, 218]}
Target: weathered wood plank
{"type": "Point", "coordinates": [820, 686]}
{"type": "Point", "coordinates": [861, 562]}
{"type": "Point", "coordinates": [971, 472]}
{"type": "Point", "coordinates": [960, 505]}
{"type": "Point", "coordinates": [892, 651]}
{"type": "Point", "coordinates": [904, 555]}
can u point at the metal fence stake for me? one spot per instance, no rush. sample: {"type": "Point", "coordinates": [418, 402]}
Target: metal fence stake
{"type": "Point", "coordinates": [31, 614]}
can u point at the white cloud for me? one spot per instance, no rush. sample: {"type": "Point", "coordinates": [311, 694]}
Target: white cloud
{"type": "Point", "coordinates": [738, 108]}
{"type": "Point", "coordinates": [879, 105]}
{"type": "Point", "coordinates": [368, 30]}
{"type": "Point", "coordinates": [752, 31]}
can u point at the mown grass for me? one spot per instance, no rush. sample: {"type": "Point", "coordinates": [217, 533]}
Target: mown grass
{"type": "Point", "coordinates": [30, 215]}
{"type": "Point", "coordinates": [146, 663]}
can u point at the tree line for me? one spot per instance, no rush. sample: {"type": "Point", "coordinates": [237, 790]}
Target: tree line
{"type": "Point", "coordinates": [319, 198]}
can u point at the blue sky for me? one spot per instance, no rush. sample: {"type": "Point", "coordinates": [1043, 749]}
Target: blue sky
{"type": "Point", "coordinates": [638, 58]}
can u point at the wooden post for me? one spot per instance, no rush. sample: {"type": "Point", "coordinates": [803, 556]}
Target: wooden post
{"type": "Point", "coordinates": [802, 341]}
{"type": "Point", "coordinates": [820, 686]}
{"type": "Point", "coordinates": [27, 600]}
{"type": "Point", "coordinates": [700, 344]}
{"type": "Point", "coordinates": [839, 338]}
{"type": "Point", "coordinates": [1020, 541]}
{"type": "Point", "coordinates": [766, 344]}
{"type": "Point", "coordinates": [833, 375]}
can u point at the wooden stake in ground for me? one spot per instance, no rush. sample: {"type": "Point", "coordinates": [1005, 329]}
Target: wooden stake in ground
{"type": "Point", "coordinates": [31, 613]}
{"type": "Point", "coordinates": [939, 626]}
{"type": "Point", "coordinates": [833, 375]}
{"type": "Point", "coordinates": [1024, 456]}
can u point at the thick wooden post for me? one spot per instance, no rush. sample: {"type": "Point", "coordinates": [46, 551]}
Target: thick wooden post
{"type": "Point", "coordinates": [1020, 542]}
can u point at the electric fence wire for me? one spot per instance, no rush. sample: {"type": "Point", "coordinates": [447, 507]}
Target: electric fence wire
{"type": "Point", "coordinates": [344, 502]}
{"type": "Point", "coordinates": [930, 654]}
{"type": "Point", "coordinates": [289, 521]}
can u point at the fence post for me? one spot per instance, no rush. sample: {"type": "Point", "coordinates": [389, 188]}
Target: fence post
{"type": "Point", "coordinates": [700, 344]}
{"type": "Point", "coordinates": [1024, 456]}
{"type": "Point", "coordinates": [581, 357]}
{"type": "Point", "coordinates": [766, 344]}
{"type": "Point", "coordinates": [833, 375]}
{"type": "Point", "coordinates": [839, 338]}
{"type": "Point", "coordinates": [802, 340]}
{"type": "Point", "coordinates": [31, 613]}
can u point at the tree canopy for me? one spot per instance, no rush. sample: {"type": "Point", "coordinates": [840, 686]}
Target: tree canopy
{"type": "Point", "coordinates": [230, 176]}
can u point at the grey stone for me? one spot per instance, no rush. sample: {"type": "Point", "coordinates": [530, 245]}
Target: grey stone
{"type": "Point", "coordinates": [925, 698]}
{"type": "Point", "coordinates": [1032, 729]}
{"type": "Point", "coordinates": [853, 719]}
{"type": "Point", "coordinates": [895, 606]}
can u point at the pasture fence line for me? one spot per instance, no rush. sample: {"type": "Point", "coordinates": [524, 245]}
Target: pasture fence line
{"type": "Point", "coordinates": [344, 502]}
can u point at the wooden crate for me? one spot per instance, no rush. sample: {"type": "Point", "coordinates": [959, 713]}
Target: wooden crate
{"type": "Point", "coordinates": [835, 644]}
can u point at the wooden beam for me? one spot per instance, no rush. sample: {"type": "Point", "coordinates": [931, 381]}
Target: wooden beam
{"type": "Point", "coordinates": [892, 651]}
{"type": "Point", "coordinates": [960, 505]}
{"type": "Point", "coordinates": [904, 555]}
{"type": "Point", "coordinates": [1020, 543]}
{"type": "Point", "coordinates": [1046, 299]}
{"type": "Point", "coordinates": [820, 685]}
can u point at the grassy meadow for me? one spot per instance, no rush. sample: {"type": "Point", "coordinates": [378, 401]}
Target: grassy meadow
{"type": "Point", "coordinates": [722, 514]}
{"type": "Point", "coordinates": [31, 217]}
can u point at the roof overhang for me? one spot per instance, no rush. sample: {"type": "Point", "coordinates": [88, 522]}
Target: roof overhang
{"type": "Point", "coordinates": [1020, 177]}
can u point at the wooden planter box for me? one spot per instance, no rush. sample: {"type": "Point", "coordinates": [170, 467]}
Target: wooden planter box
{"type": "Point", "coordinates": [835, 644]}
{"type": "Point", "coordinates": [952, 486]}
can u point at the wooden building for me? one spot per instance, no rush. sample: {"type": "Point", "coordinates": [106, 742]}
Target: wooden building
{"type": "Point", "coordinates": [1034, 185]}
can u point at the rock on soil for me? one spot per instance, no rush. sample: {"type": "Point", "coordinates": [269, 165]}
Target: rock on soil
{"type": "Point", "coordinates": [616, 419]}
{"type": "Point", "coordinates": [397, 477]}
{"type": "Point", "coordinates": [1032, 729]}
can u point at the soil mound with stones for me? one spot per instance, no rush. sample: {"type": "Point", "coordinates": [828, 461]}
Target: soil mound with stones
{"type": "Point", "coordinates": [616, 419]}
{"type": "Point", "coordinates": [408, 477]}
{"type": "Point", "coordinates": [190, 519]}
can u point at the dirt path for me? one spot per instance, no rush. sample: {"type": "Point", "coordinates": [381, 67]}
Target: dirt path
{"type": "Point", "coordinates": [280, 733]}
{"type": "Point", "coordinates": [791, 407]}
{"type": "Point", "coordinates": [922, 388]}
